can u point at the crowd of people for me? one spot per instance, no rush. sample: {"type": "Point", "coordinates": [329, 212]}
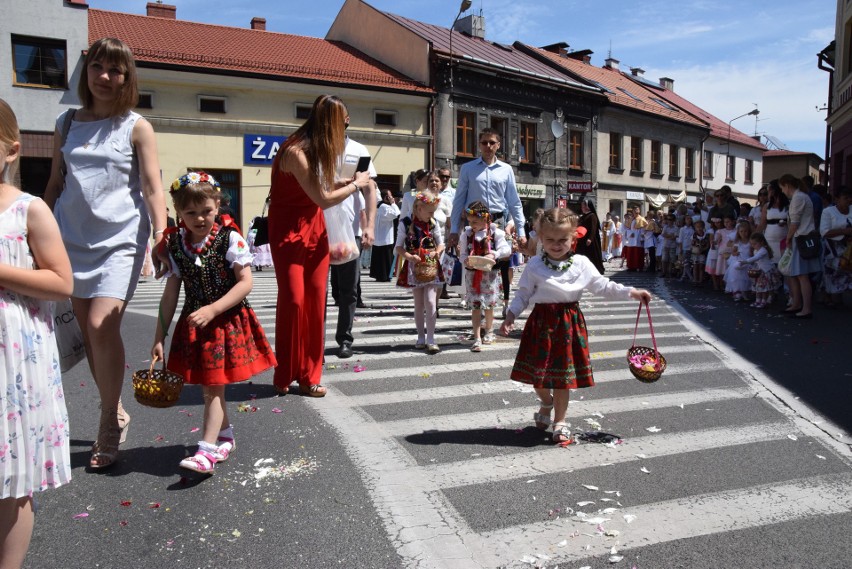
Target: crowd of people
{"type": "Point", "coordinates": [793, 244]}
{"type": "Point", "coordinates": [104, 203]}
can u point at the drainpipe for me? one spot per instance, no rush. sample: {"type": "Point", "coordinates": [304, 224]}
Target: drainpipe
{"type": "Point", "coordinates": [701, 165]}
{"type": "Point", "coordinates": [430, 126]}
{"type": "Point", "coordinates": [821, 59]}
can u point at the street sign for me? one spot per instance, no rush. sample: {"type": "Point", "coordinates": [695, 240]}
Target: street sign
{"type": "Point", "coordinates": [260, 149]}
{"type": "Point", "coordinates": [579, 186]}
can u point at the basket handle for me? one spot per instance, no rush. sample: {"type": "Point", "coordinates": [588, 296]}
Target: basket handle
{"type": "Point", "coordinates": [651, 326]}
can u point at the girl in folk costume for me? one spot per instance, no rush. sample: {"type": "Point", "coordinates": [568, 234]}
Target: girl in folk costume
{"type": "Point", "coordinates": [625, 239]}
{"type": "Point", "coordinates": [769, 279]}
{"type": "Point", "coordinates": [217, 339]}
{"type": "Point", "coordinates": [483, 288]}
{"type": "Point", "coordinates": [419, 240]}
{"type": "Point", "coordinates": [736, 277]}
{"type": "Point", "coordinates": [554, 352]}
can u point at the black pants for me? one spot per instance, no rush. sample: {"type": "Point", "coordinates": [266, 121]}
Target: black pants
{"type": "Point", "coordinates": [346, 291]}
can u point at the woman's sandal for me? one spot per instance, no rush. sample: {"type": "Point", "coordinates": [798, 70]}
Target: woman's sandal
{"type": "Point", "coordinates": [562, 434]}
{"type": "Point", "coordinates": [112, 431]}
{"type": "Point", "coordinates": [542, 421]}
{"type": "Point", "coordinates": [202, 461]}
{"type": "Point", "coordinates": [313, 390]}
{"type": "Point", "coordinates": [224, 447]}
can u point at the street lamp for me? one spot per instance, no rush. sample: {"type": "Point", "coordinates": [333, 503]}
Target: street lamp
{"type": "Point", "coordinates": [465, 5]}
{"type": "Point", "coordinates": [753, 112]}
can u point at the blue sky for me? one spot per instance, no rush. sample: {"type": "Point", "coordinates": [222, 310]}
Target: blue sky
{"type": "Point", "coordinates": [724, 55]}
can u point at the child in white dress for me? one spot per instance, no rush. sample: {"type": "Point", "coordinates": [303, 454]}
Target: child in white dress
{"type": "Point", "coordinates": [736, 276]}
{"type": "Point", "coordinates": [483, 288]}
{"type": "Point", "coordinates": [34, 270]}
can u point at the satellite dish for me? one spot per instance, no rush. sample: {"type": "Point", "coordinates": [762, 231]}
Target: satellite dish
{"type": "Point", "coordinates": [557, 129]}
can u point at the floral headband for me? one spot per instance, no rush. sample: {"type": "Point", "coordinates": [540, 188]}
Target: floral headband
{"type": "Point", "coordinates": [426, 198]}
{"type": "Point", "coordinates": [477, 213]}
{"type": "Point", "coordinates": [194, 178]}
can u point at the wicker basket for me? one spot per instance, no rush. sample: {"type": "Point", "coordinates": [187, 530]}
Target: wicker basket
{"type": "Point", "coordinates": [754, 273]}
{"type": "Point", "coordinates": [644, 374]}
{"type": "Point", "coordinates": [157, 387]}
{"type": "Point", "coordinates": [653, 363]}
{"type": "Point", "coordinates": [425, 271]}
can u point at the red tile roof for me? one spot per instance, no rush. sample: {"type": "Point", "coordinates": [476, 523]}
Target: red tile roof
{"type": "Point", "coordinates": [614, 81]}
{"type": "Point", "coordinates": [484, 51]}
{"type": "Point", "coordinates": [789, 153]}
{"type": "Point", "coordinates": [246, 51]}
{"type": "Point", "coordinates": [718, 127]}
{"type": "Point", "coordinates": [78, 2]}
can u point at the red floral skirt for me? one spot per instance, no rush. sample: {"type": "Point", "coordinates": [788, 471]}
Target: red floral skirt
{"type": "Point", "coordinates": [554, 350]}
{"type": "Point", "coordinates": [231, 348]}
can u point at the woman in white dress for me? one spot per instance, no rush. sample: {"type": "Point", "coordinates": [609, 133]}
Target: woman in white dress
{"type": "Point", "coordinates": [105, 192]}
{"type": "Point", "coordinates": [773, 221]}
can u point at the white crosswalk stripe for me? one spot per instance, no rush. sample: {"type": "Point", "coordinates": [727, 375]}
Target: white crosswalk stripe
{"type": "Point", "coordinates": [437, 437]}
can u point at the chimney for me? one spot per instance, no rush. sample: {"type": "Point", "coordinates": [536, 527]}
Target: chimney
{"type": "Point", "coordinates": [472, 25]}
{"type": "Point", "coordinates": [667, 83]}
{"type": "Point", "coordinates": [611, 63]}
{"type": "Point", "coordinates": [584, 55]}
{"type": "Point", "coordinates": [560, 49]}
{"type": "Point", "coordinates": [637, 71]}
{"type": "Point", "coordinates": [160, 10]}
{"type": "Point", "coordinates": [258, 23]}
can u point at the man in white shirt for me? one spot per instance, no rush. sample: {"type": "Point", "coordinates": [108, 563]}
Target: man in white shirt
{"type": "Point", "coordinates": [346, 278]}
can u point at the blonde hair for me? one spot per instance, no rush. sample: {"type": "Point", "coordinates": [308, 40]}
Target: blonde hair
{"type": "Point", "coordinates": [560, 219]}
{"type": "Point", "coordinates": [9, 135]}
{"type": "Point", "coordinates": [111, 51]}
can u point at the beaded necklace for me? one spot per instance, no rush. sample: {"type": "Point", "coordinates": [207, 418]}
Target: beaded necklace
{"type": "Point", "coordinates": [561, 266]}
{"type": "Point", "coordinates": [198, 252]}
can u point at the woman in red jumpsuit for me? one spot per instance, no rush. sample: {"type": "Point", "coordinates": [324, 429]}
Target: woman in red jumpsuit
{"type": "Point", "coordinates": [303, 184]}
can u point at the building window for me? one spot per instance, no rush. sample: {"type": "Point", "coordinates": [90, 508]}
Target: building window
{"type": "Point", "coordinates": [527, 142]}
{"type": "Point", "coordinates": [690, 164]}
{"type": "Point", "coordinates": [749, 171]}
{"type": "Point", "coordinates": [615, 151]}
{"type": "Point", "coordinates": [465, 131]}
{"type": "Point", "coordinates": [656, 157]}
{"type": "Point", "coordinates": [302, 111]}
{"type": "Point", "coordinates": [209, 104]}
{"type": "Point", "coordinates": [39, 62]}
{"type": "Point", "coordinates": [230, 182]}
{"type": "Point", "coordinates": [575, 149]}
{"type": "Point", "coordinates": [499, 124]}
{"type": "Point", "coordinates": [384, 118]}
{"type": "Point", "coordinates": [635, 154]}
{"type": "Point", "coordinates": [730, 162]}
{"type": "Point", "coordinates": [707, 164]}
{"type": "Point", "coordinates": [674, 161]}
{"type": "Point", "coordinates": [146, 100]}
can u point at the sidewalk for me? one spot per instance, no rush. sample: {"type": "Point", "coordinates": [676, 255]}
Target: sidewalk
{"type": "Point", "coordinates": [810, 358]}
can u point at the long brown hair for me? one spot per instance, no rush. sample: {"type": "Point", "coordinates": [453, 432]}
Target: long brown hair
{"type": "Point", "coordinates": [111, 51]}
{"type": "Point", "coordinates": [9, 135]}
{"type": "Point", "coordinates": [321, 138]}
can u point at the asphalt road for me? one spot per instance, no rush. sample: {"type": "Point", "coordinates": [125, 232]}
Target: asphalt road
{"type": "Point", "coordinates": [432, 461]}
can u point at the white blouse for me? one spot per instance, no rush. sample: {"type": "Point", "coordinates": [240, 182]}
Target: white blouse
{"type": "Point", "coordinates": [540, 284]}
{"type": "Point", "coordinates": [499, 246]}
{"type": "Point", "coordinates": [833, 219]}
{"type": "Point", "coordinates": [384, 224]}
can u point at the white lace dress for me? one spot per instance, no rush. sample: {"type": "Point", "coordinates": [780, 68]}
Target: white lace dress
{"type": "Point", "coordinates": [34, 445]}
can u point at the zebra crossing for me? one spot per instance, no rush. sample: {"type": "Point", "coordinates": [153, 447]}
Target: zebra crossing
{"type": "Point", "coordinates": [461, 479]}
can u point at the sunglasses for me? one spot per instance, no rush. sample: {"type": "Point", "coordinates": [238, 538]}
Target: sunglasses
{"type": "Point", "coordinates": [444, 177]}
{"type": "Point", "coordinates": [489, 142]}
